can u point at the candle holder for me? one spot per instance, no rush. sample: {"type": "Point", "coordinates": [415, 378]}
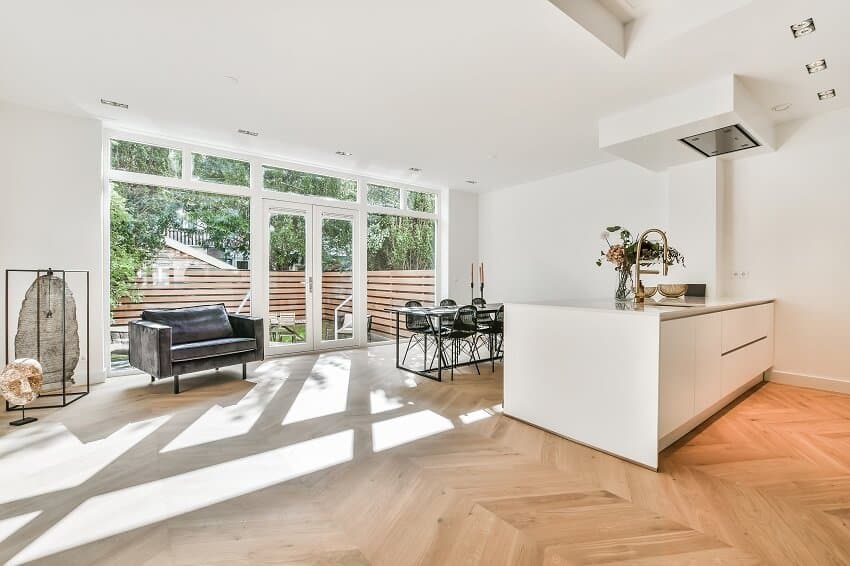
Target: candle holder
{"type": "Point", "coordinates": [471, 290]}
{"type": "Point", "coordinates": [482, 290]}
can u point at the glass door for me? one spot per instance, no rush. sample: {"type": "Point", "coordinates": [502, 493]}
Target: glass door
{"type": "Point", "coordinates": [288, 281]}
{"type": "Point", "coordinates": [311, 283]}
{"type": "Point", "coordinates": [336, 288]}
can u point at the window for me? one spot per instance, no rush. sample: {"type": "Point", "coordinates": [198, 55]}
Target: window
{"type": "Point", "coordinates": [400, 254]}
{"type": "Point", "coordinates": [143, 158]}
{"type": "Point", "coordinates": [173, 248]}
{"type": "Point", "coordinates": [311, 184]}
{"type": "Point", "coordinates": [379, 195]}
{"type": "Point", "coordinates": [421, 202]}
{"type": "Point", "coordinates": [221, 170]}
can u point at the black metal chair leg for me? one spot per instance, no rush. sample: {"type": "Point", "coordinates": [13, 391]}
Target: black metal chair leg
{"type": "Point", "coordinates": [409, 343]}
{"type": "Point", "coordinates": [472, 357]}
{"type": "Point", "coordinates": [244, 371]}
{"type": "Point", "coordinates": [176, 384]}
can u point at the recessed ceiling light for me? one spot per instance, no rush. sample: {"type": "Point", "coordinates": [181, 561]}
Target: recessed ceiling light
{"type": "Point", "coordinates": [113, 103]}
{"type": "Point", "coordinates": [781, 107]}
{"type": "Point", "coordinates": [816, 66]}
{"type": "Point", "coordinates": [805, 27]}
{"type": "Point", "coordinates": [248, 132]}
{"type": "Point", "coordinates": [826, 94]}
{"type": "Point", "coordinates": [472, 182]}
{"type": "Point", "coordinates": [343, 153]}
{"type": "Point", "coordinates": [414, 169]}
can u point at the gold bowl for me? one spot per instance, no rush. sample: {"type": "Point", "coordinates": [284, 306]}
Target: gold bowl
{"type": "Point", "coordinates": [672, 290]}
{"type": "Point", "coordinates": [649, 291]}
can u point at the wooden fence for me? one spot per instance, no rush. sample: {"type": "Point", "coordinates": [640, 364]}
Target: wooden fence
{"type": "Point", "coordinates": [191, 287]}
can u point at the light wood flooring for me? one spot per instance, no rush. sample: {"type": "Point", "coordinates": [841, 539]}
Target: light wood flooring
{"type": "Point", "coordinates": [340, 459]}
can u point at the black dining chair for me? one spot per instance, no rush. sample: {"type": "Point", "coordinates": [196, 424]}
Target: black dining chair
{"type": "Point", "coordinates": [420, 328]}
{"type": "Point", "coordinates": [495, 334]}
{"type": "Point", "coordinates": [461, 336]}
{"type": "Point", "coordinates": [446, 319]}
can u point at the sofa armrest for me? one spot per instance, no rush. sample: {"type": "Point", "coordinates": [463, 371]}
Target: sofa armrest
{"type": "Point", "coordinates": [150, 348]}
{"type": "Point", "coordinates": [249, 327]}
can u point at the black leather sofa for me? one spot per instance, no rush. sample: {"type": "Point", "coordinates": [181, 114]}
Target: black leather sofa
{"type": "Point", "coordinates": [173, 342]}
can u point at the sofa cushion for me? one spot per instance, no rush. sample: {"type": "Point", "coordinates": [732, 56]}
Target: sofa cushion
{"type": "Point", "coordinates": [193, 324]}
{"type": "Point", "coordinates": [211, 348]}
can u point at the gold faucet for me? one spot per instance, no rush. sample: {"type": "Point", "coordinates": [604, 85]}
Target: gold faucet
{"type": "Point", "coordinates": [638, 286]}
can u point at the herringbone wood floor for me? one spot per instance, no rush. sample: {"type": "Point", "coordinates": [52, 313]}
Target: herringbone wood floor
{"type": "Point", "coordinates": [434, 476]}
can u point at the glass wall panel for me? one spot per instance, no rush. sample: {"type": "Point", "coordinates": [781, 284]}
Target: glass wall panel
{"type": "Point", "coordinates": [310, 184]}
{"type": "Point", "coordinates": [142, 158]}
{"type": "Point", "coordinates": [400, 268]}
{"type": "Point", "coordinates": [173, 248]}
{"type": "Point", "coordinates": [379, 195]}
{"type": "Point", "coordinates": [287, 280]}
{"type": "Point", "coordinates": [421, 202]}
{"type": "Point", "coordinates": [221, 170]}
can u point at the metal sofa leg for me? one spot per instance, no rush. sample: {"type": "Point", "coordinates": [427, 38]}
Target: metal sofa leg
{"type": "Point", "coordinates": [153, 379]}
{"type": "Point", "coordinates": [244, 371]}
{"type": "Point", "coordinates": [176, 384]}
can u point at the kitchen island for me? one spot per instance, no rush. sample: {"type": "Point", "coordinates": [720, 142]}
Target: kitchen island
{"type": "Point", "coordinates": [632, 379]}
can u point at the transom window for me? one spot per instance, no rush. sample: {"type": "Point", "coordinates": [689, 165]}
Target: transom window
{"type": "Point", "coordinates": [310, 184]}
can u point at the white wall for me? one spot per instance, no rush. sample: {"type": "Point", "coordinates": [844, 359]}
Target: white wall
{"type": "Point", "coordinates": [50, 195]}
{"type": "Point", "coordinates": [540, 240]}
{"type": "Point", "coordinates": [695, 221]}
{"type": "Point", "coordinates": [462, 245]}
{"type": "Point", "coordinates": [787, 227]}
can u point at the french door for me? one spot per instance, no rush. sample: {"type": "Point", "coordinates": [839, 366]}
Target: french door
{"type": "Point", "coordinates": [311, 279]}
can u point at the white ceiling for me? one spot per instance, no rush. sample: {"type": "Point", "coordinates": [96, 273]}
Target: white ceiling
{"type": "Point", "coordinates": [500, 91]}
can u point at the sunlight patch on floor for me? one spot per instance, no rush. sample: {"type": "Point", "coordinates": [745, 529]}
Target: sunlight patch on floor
{"type": "Point", "coordinates": [219, 423]}
{"type": "Point", "coordinates": [480, 414]}
{"type": "Point", "coordinates": [50, 458]}
{"type": "Point", "coordinates": [379, 402]}
{"type": "Point", "coordinates": [11, 525]}
{"type": "Point", "coordinates": [324, 393]}
{"type": "Point", "coordinates": [126, 509]}
{"type": "Point", "coordinates": [407, 428]}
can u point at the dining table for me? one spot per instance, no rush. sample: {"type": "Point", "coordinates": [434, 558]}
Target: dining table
{"type": "Point", "coordinates": [435, 315]}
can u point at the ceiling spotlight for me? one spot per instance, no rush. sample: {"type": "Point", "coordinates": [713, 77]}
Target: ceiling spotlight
{"type": "Point", "coordinates": [414, 169]}
{"type": "Point", "coordinates": [472, 182]}
{"type": "Point", "coordinates": [826, 94]}
{"type": "Point", "coordinates": [781, 107]}
{"type": "Point", "coordinates": [343, 153]}
{"type": "Point", "coordinates": [248, 132]}
{"type": "Point", "coordinates": [113, 103]}
{"type": "Point", "coordinates": [816, 67]}
{"type": "Point", "coordinates": [805, 27]}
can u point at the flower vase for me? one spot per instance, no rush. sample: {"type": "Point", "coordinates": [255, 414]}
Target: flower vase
{"type": "Point", "coordinates": [623, 289]}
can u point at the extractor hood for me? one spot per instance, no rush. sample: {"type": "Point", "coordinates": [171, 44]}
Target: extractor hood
{"type": "Point", "coordinates": [716, 118]}
{"type": "Point", "coordinates": [727, 139]}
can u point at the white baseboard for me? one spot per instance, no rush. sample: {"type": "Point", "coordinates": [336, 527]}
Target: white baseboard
{"type": "Point", "coordinates": [810, 381]}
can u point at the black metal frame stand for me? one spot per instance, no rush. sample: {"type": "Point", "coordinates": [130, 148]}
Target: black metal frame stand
{"type": "Point", "coordinates": [67, 397]}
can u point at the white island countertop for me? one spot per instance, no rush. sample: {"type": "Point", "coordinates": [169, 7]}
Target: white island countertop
{"type": "Point", "coordinates": [660, 307]}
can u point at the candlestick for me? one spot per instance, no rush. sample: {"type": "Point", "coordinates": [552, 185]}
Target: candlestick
{"type": "Point", "coordinates": [482, 290]}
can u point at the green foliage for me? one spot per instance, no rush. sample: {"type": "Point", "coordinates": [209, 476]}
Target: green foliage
{"type": "Point", "coordinates": [421, 202]}
{"type": "Point", "coordinates": [221, 170]}
{"type": "Point", "coordinates": [398, 242]}
{"type": "Point", "coordinates": [378, 195]}
{"type": "Point", "coordinates": [299, 182]}
{"type": "Point", "coordinates": [143, 158]}
{"type": "Point", "coordinates": [140, 215]}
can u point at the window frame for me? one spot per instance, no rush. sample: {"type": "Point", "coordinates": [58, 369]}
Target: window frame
{"type": "Point", "coordinates": [258, 196]}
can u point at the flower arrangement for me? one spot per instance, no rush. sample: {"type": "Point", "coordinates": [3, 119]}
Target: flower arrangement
{"type": "Point", "coordinates": [623, 255]}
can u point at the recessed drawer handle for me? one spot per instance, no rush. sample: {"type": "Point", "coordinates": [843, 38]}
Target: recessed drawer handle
{"type": "Point", "coordinates": [744, 345]}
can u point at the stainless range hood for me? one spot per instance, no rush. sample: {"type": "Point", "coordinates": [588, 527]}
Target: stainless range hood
{"type": "Point", "coordinates": [727, 139]}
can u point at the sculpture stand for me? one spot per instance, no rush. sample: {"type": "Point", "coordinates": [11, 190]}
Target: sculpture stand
{"type": "Point", "coordinates": [23, 420]}
{"type": "Point", "coordinates": [64, 397]}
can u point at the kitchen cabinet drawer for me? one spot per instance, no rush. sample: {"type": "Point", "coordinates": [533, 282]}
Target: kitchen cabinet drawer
{"type": "Point", "coordinates": [740, 366]}
{"type": "Point", "coordinates": [746, 325]}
